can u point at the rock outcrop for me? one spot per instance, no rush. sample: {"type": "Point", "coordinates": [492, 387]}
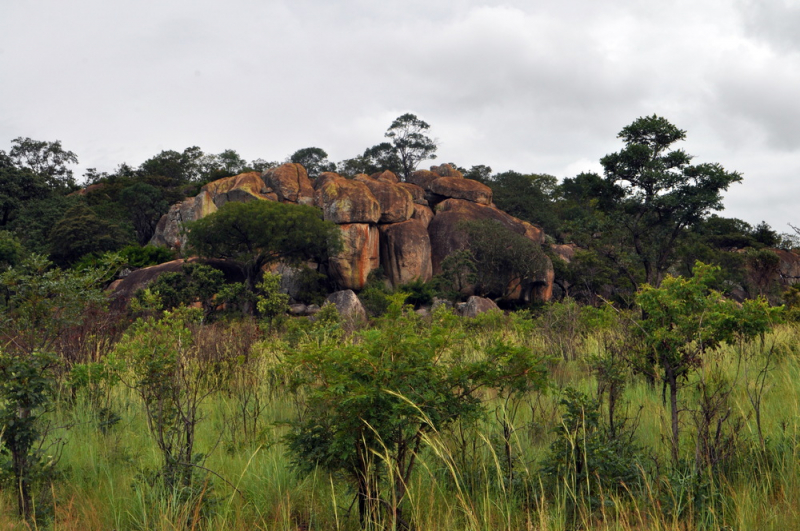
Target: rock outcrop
{"type": "Point", "coordinates": [239, 188]}
{"type": "Point", "coordinates": [478, 305]}
{"type": "Point", "coordinates": [348, 305]}
{"type": "Point", "coordinates": [346, 201]}
{"type": "Point", "coordinates": [360, 255]}
{"type": "Point", "coordinates": [788, 267]}
{"type": "Point", "coordinates": [291, 183]}
{"type": "Point", "coordinates": [169, 231]}
{"type": "Point", "coordinates": [446, 234]}
{"type": "Point", "coordinates": [459, 188]}
{"type": "Point", "coordinates": [446, 170]}
{"type": "Point", "coordinates": [405, 252]}
{"type": "Point", "coordinates": [383, 222]}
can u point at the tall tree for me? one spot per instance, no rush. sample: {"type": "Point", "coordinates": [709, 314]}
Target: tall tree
{"type": "Point", "coordinates": [47, 159]}
{"type": "Point", "coordinates": [314, 160]}
{"type": "Point", "coordinates": [17, 185]}
{"type": "Point", "coordinates": [660, 194]}
{"type": "Point", "coordinates": [408, 139]}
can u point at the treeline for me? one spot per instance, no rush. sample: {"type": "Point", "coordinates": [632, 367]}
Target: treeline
{"type": "Point", "coordinates": [651, 213]}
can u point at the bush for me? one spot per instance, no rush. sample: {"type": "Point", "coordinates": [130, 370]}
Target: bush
{"type": "Point", "coordinates": [419, 293]}
{"type": "Point", "coordinates": [375, 295]}
{"type": "Point", "coordinates": [585, 460]}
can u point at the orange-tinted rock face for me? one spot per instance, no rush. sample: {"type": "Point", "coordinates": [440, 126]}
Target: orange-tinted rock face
{"type": "Point", "coordinates": [169, 229]}
{"type": "Point", "coordinates": [422, 178]}
{"type": "Point", "coordinates": [396, 203]}
{"type": "Point", "coordinates": [446, 170]}
{"type": "Point", "coordinates": [417, 193]}
{"type": "Point", "coordinates": [423, 214]}
{"type": "Point", "coordinates": [360, 255]}
{"type": "Point", "coordinates": [459, 188]}
{"type": "Point", "coordinates": [290, 181]}
{"type": "Point", "coordinates": [405, 252]}
{"type": "Point", "coordinates": [533, 233]}
{"type": "Point", "coordinates": [239, 188]}
{"type": "Point", "coordinates": [346, 201]}
{"type": "Point", "coordinates": [386, 176]}
{"type": "Point", "coordinates": [565, 251]}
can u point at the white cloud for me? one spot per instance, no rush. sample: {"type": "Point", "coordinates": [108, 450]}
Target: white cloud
{"type": "Point", "coordinates": [537, 87]}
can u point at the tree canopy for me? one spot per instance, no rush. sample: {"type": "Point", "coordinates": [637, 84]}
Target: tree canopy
{"type": "Point", "coordinates": [258, 233]}
{"type": "Point", "coordinates": [655, 195]}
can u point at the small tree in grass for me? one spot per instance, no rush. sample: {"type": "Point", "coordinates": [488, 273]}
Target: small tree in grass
{"type": "Point", "coordinates": [371, 401]}
{"type": "Point", "coordinates": [173, 381]}
{"type": "Point", "coordinates": [682, 320]}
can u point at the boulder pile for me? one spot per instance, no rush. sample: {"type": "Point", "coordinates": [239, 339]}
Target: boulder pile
{"type": "Point", "coordinates": [407, 228]}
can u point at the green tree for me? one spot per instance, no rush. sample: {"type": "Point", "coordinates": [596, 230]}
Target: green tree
{"type": "Point", "coordinates": [659, 195]}
{"type": "Point", "coordinates": [314, 160]}
{"type": "Point", "coordinates": [409, 142]}
{"type": "Point", "coordinates": [10, 250]}
{"type": "Point", "coordinates": [17, 186]}
{"type": "Point", "coordinates": [193, 283]}
{"type": "Point", "coordinates": [258, 233]}
{"type": "Point", "coordinates": [178, 168]}
{"type": "Point", "coordinates": [684, 318]}
{"type": "Point", "coordinates": [504, 260]}
{"type": "Point", "coordinates": [371, 403]}
{"type": "Point", "coordinates": [27, 389]}
{"type": "Point", "coordinates": [46, 159]}
{"type": "Point", "coordinates": [377, 158]}
{"type": "Point", "coordinates": [529, 197]}
{"type": "Point", "coordinates": [81, 232]}
{"type": "Point", "coordinates": [145, 204]}
{"type": "Point", "coordinates": [172, 380]}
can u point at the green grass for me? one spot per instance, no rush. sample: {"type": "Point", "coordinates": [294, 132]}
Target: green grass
{"type": "Point", "coordinates": [460, 482]}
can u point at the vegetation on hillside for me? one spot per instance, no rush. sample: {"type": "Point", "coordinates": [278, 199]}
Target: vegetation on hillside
{"type": "Point", "coordinates": [659, 390]}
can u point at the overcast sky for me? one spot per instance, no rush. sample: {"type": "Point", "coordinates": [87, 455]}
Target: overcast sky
{"type": "Point", "coordinates": [533, 86]}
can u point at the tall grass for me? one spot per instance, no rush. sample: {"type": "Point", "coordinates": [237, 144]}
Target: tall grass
{"type": "Point", "coordinates": [463, 481]}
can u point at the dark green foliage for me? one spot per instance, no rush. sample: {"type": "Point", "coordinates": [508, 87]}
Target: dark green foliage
{"type": "Point", "coordinates": [311, 286]}
{"type": "Point", "coordinates": [419, 293]}
{"type": "Point", "coordinates": [27, 388]}
{"type": "Point", "coordinates": [529, 197]}
{"type": "Point", "coordinates": [194, 283]}
{"type": "Point", "coordinates": [480, 173]}
{"type": "Point", "coordinates": [377, 158]}
{"type": "Point", "coordinates": [585, 461]}
{"type": "Point", "coordinates": [660, 195]}
{"type": "Point", "coordinates": [178, 168]}
{"type": "Point", "coordinates": [369, 403]}
{"type": "Point", "coordinates": [145, 204]}
{"type": "Point", "coordinates": [47, 160]}
{"type": "Point", "coordinates": [81, 232]}
{"type": "Point", "coordinates": [375, 295]}
{"type": "Point", "coordinates": [17, 186]}
{"type": "Point", "coordinates": [459, 272]}
{"type": "Point", "coordinates": [504, 260]}
{"type": "Point", "coordinates": [10, 250]}
{"type": "Point", "coordinates": [258, 233]}
{"type": "Point", "coordinates": [37, 217]}
{"type": "Point", "coordinates": [314, 160]}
